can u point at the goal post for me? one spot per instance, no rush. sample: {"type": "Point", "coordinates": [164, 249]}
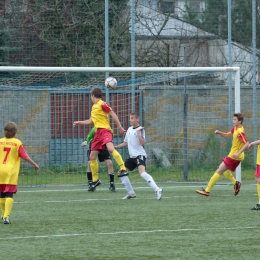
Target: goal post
{"type": "Point", "coordinates": [165, 79]}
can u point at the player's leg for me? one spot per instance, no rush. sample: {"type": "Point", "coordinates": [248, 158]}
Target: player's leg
{"type": "Point", "coordinates": [94, 169]}
{"type": "Point", "coordinates": [105, 156]}
{"type": "Point", "coordinates": [118, 159]}
{"type": "Point", "coordinates": [111, 175]}
{"type": "Point", "coordinates": [2, 204]}
{"type": "Point", "coordinates": [228, 174]}
{"type": "Point", "coordinates": [147, 177]}
{"type": "Point", "coordinates": [213, 180]}
{"type": "Point", "coordinates": [130, 165]}
{"type": "Point", "coordinates": [257, 179]}
{"type": "Point", "coordinates": [8, 207]}
{"type": "Point", "coordinates": [89, 173]}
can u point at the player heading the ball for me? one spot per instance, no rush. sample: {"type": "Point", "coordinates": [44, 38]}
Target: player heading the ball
{"type": "Point", "coordinates": [103, 136]}
{"type": "Point", "coordinates": [235, 156]}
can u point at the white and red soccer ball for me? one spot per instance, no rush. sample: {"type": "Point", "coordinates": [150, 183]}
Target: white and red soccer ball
{"type": "Point", "coordinates": [110, 83]}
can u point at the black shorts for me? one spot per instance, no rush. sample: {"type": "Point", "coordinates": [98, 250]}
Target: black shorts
{"type": "Point", "coordinates": [102, 155]}
{"type": "Point", "coordinates": [132, 163]}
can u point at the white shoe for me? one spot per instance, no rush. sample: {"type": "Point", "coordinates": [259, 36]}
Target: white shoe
{"type": "Point", "coordinates": [129, 196]}
{"type": "Point", "coordinates": [159, 194]}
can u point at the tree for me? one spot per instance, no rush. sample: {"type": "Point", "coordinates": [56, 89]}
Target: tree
{"type": "Point", "coordinates": [71, 33]}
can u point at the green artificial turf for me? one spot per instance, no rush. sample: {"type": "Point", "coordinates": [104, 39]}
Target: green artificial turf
{"type": "Point", "coordinates": [70, 223]}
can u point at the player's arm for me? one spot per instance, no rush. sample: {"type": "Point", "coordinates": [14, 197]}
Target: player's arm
{"type": "Point", "coordinates": [85, 122]}
{"type": "Point", "coordinates": [22, 153]}
{"type": "Point", "coordinates": [124, 144]}
{"type": "Point", "coordinates": [116, 120]}
{"type": "Point", "coordinates": [257, 142]}
{"type": "Point", "coordinates": [32, 162]}
{"type": "Point", "coordinates": [225, 135]}
{"type": "Point", "coordinates": [141, 139]}
{"type": "Point", "coordinates": [245, 146]}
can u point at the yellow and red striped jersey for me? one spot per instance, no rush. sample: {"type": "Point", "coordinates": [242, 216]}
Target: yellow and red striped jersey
{"type": "Point", "coordinates": [11, 150]}
{"type": "Point", "coordinates": [99, 115]}
{"type": "Point", "coordinates": [239, 139]}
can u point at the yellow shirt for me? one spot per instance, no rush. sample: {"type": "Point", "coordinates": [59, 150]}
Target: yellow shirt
{"type": "Point", "coordinates": [99, 115]}
{"type": "Point", "coordinates": [239, 139]}
{"type": "Point", "coordinates": [9, 160]}
{"type": "Point", "coordinates": [258, 155]}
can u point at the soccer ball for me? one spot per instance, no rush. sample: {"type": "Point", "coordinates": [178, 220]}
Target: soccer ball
{"type": "Point", "coordinates": [110, 83]}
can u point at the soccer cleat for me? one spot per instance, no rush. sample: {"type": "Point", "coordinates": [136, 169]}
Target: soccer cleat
{"type": "Point", "coordinates": [237, 187]}
{"type": "Point", "coordinates": [159, 194]}
{"type": "Point", "coordinates": [112, 188]}
{"type": "Point", "coordinates": [256, 207]}
{"type": "Point", "coordinates": [93, 186]}
{"type": "Point", "coordinates": [202, 192]}
{"type": "Point", "coordinates": [122, 173]}
{"type": "Point", "coordinates": [6, 221]}
{"type": "Point", "coordinates": [129, 196]}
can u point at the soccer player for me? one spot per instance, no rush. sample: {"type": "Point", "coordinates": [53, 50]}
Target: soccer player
{"type": "Point", "coordinates": [102, 156]}
{"type": "Point", "coordinates": [103, 136]}
{"type": "Point", "coordinates": [257, 171]}
{"type": "Point", "coordinates": [135, 140]}
{"type": "Point", "coordinates": [11, 150]}
{"type": "Point", "coordinates": [235, 156]}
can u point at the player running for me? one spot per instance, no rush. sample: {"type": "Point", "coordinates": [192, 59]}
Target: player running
{"type": "Point", "coordinates": [235, 156]}
{"type": "Point", "coordinates": [102, 156]}
{"type": "Point", "coordinates": [135, 140]}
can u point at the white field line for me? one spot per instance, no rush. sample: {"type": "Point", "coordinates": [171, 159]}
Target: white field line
{"type": "Point", "coordinates": [118, 188]}
{"type": "Point", "coordinates": [127, 232]}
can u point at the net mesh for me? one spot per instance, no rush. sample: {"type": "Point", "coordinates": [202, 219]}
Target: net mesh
{"type": "Point", "coordinates": [45, 105]}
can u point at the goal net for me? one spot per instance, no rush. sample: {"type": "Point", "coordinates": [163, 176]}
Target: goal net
{"type": "Point", "coordinates": [180, 108]}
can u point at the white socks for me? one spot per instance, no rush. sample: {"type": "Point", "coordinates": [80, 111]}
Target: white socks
{"type": "Point", "coordinates": [125, 180]}
{"type": "Point", "coordinates": [149, 179]}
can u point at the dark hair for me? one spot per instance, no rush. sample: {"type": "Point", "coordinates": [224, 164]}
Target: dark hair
{"type": "Point", "coordinates": [96, 92]}
{"type": "Point", "coordinates": [239, 117]}
{"type": "Point", "coordinates": [10, 129]}
{"type": "Point", "coordinates": [135, 114]}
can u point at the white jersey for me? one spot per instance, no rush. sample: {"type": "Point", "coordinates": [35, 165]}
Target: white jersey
{"type": "Point", "coordinates": [134, 147]}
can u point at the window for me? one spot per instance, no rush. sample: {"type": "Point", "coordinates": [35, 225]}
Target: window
{"type": "Point", "coordinates": [166, 6]}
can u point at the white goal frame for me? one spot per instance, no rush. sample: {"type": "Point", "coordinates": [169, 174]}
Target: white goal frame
{"type": "Point", "coordinates": [235, 70]}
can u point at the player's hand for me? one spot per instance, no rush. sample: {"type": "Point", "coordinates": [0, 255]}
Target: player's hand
{"type": "Point", "coordinates": [76, 123]}
{"type": "Point", "coordinates": [235, 155]}
{"type": "Point", "coordinates": [116, 147]}
{"type": "Point", "coordinates": [139, 129]}
{"type": "Point", "coordinates": [250, 146]}
{"type": "Point", "coordinates": [217, 132]}
{"type": "Point", "coordinates": [122, 131]}
{"type": "Point", "coordinates": [36, 167]}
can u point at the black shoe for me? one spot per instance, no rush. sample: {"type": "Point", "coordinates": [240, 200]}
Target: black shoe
{"type": "Point", "coordinates": [112, 188]}
{"type": "Point", "coordinates": [256, 207]}
{"type": "Point", "coordinates": [122, 173]}
{"type": "Point", "coordinates": [94, 185]}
